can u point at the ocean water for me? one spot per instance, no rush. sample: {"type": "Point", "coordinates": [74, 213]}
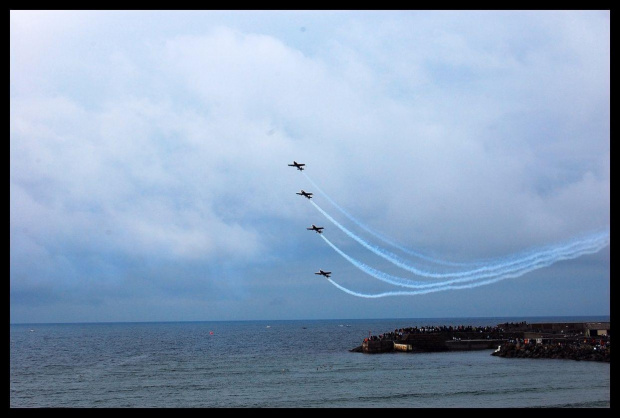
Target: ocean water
{"type": "Point", "coordinates": [282, 364]}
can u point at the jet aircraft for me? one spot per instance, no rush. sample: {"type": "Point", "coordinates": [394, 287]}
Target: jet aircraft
{"type": "Point", "coordinates": [317, 229]}
{"type": "Point", "coordinates": [304, 194]}
{"type": "Point", "coordinates": [299, 166]}
{"type": "Point", "coordinates": [324, 273]}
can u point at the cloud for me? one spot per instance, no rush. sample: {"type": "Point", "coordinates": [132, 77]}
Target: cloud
{"type": "Point", "coordinates": [165, 143]}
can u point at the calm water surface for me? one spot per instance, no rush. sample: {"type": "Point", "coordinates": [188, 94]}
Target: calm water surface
{"type": "Point", "coordinates": [281, 364]}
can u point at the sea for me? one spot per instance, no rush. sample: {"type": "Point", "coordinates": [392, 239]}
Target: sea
{"type": "Point", "coordinates": [283, 364]}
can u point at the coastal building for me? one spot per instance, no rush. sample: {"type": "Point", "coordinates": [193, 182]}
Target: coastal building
{"type": "Point", "coordinates": [594, 329]}
{"type": "Point", "coordinates": [544, 332]}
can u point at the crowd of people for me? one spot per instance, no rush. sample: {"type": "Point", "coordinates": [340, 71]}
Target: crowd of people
{"type": "Point", "coordinates": [451, 331]}
{"type": "Point", "coordinates": [510, 331]}
{"type": "Point", "coordinates": [576, 345]}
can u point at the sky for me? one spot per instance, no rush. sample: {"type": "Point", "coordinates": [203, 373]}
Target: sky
{"type": "Point", "coordinates": [150, 152]}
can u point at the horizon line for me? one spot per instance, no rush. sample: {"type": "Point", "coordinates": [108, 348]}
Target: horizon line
{"type": "Point", "coordinates": [308, 319]}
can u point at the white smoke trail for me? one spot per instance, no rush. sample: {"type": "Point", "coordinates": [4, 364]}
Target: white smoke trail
{"type": "Point", "coordinates": [587, 247]}
{"type": "Point", "coordinates": [443, 287]}
{"type": "Point", "coordinates": [491, 270]}
{"type": "Point", "coordinates": [388, 241]}
{"type": "Point", "coordinates": [481, 272]}
{"type": "Point", "coordinates": [499, 264]}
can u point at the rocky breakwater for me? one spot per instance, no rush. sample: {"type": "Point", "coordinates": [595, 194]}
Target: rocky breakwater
{"type": "Point", "coordinates": [433, 338]}
{"type": "Point", "coordinates": [584, 350]}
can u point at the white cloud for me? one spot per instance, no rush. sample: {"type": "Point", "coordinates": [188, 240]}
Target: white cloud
{"type": "Point", "coordinates": [468, 134]}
